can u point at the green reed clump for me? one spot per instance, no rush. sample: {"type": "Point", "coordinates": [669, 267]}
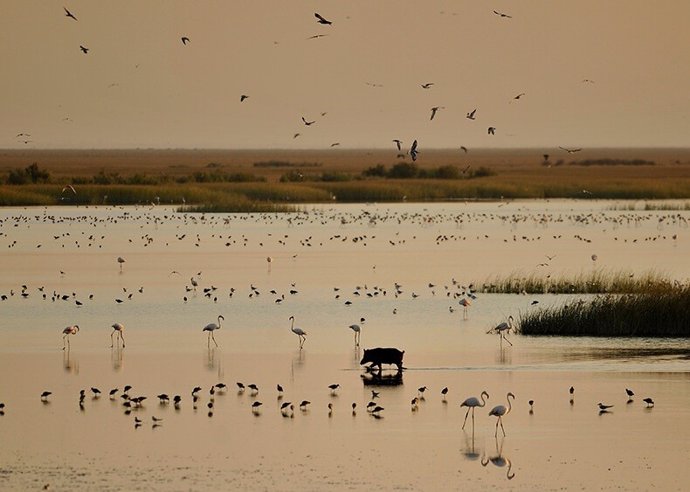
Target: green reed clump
{"type": "Point", "coordinates": [663, 313]}
{"type": "Point", "coordinates": [594, 282]}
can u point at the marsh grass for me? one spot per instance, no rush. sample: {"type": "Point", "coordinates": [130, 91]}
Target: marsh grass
{"type": "Point", "coordinates": [658, 313]}
{"type": "Point", "coordinates": [594, 282]}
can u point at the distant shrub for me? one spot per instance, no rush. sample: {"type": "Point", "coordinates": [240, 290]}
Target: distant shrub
{"type": "Point", "coordinates": [30, 174]}
{"type": "Point", "coordinates": [403, 170]}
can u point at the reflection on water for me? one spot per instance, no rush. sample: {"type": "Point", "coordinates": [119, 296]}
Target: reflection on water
{"type": "Point", "coordinates": [499, 460]}
{"type": "Point", "coordinates": [116, 358]}
{"type": "Point", "coordinates": [469, 451]}
{"type": "Point", "coordinates": [373, 377]}
{"type": "Point", "coordinates": [504, 356]}
{"type": "Point", "coordinates": [211, 360]}
{"type": "Point", "coordinates": [70, 364]}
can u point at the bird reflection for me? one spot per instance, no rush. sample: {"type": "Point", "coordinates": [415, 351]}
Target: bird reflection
{"type": "Point", "coordinates": [499, 460]}
{"type": "Point", "coordinates": [211, 361]}
{"type": "Point", "coordinates": [504, 356]}
{"type": "Point", "coordinates": [470, 452]}
{"type": "Point", "coordinates": [70, 364]}
{"type": "Point", "coordinates": [296, 363]}
{"type": "Point", "coordinates": [116, 358]}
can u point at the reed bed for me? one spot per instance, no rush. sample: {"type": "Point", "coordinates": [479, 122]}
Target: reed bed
{"type": "Point", "coordinates": [663, 313]}
{"type": "Point", "coordinates": [595, 282]}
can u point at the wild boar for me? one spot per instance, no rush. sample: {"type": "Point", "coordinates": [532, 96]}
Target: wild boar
{"type": "Point", "coordinates": [378, 356]}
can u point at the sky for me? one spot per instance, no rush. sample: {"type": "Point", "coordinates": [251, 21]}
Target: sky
{"type": "Point", "coordinates": [594, 73]}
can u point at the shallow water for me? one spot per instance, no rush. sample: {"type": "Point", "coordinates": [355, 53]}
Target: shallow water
{"type": "Point", "coordinates": [560, 445]}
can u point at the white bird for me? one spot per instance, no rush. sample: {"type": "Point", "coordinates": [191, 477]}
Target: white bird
{"type": "Point", "coordinates": [70, 330]}
{"type": "Point", "coordinates": [299, 332]}
{"type": "Point", "coordinates": [471, 403]}
{"type": "Point", "coordinates": [211, 327]}
{"type": "Point", "coordinates": [119, 328]}
{"type": "Point", "coordinates": [504, 328]}
{"type": "Point", "coordinates": [70, 188]}
{"type": "Point", "coordinates": [499, 411]}
{"type": "Point", "coordinates": [358, 331]}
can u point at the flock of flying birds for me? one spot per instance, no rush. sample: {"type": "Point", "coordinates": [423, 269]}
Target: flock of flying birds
{"type": "Point", "coordinates": [322, 20]}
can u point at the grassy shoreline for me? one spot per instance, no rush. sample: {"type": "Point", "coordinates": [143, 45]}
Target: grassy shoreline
{"type": "Point", "coordinates": [663, 313]}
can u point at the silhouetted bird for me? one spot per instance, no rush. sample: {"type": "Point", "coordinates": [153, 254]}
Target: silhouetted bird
{"type": "Point", "coordinates": [322, 20]}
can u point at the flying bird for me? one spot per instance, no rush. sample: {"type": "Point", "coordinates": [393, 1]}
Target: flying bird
{"type": "Point", "coordinates": [570, 151]}
{"type": "Point", "coordinates": [83, 49]}
{"type": "Point", "coordinates": [434, 110]}
{"type": "Point", "coordinates": [398, 143]}
{"type": "Point", "coordinates": [322, 20]}
{"type": "Point", "coordinates": [69, 14]}
{"type": "Point", "coordinates": [463, 148]}
{"type": "Point", "coordinates": [427, 85]}
{"type": "Point", "coordinates": [308, 123]}
{"type": "Point", "coordinates": [243, 97]}
{"type": "Point", "coordinates": [184, 40]}
{"type": "Point", "coordinates": [316, 36]}
{"type": "Point", "coordinates": [70, 188]}
{"type": "Point", "coordinates": [502, 14]}
{"type": "Point", "coordinates": [519, 96]}
{"type": "Point", "coordinates": [413, 150]}
{"type": "Point", "coordinates": [470, 115]}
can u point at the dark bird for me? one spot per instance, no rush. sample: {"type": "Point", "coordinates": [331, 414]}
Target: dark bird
{"type": "Point", "coordinates": [463, 148]}
{"type": "Point", "coordinates": [603, 407]}
{"type": "Point", "coordinates": [303, 404]}
{"type": "Point", "coordinates": [398, 143]}
{"type": "Point", "coordinates": [308, 123]}
{"type": "Point", "coordinates": [649, 402]}
{"type": "Point", "coordinates": [413, 151]}
{"type": "Point", "coordinates": [629, 392]}
{"type": "Point", "coordinates": [531, 404]}
{"type": "Point", "coordinates": [243, 97]}
{"type": "Point", "coordinates": [519, 96]}
{"type": "Point", "coordinates": [491, 130]}
{"type": "Point", "coordinates": [444, 391]}
{"type": "Point", "coordinates": [83, 49]}
{"type": "Point", "coordinates": [96, 392]}
{"type": "Point", "coordinates": [374, 394]}
{"type": "Point", "coordinates": [427, 85]}
{"type": "Point", "coordinates": [333, 387]}
{"type": "Point", "coordinates": [240, 386]}
{"type": "Point", "coordinates": [279, 388]}
{"type": "Point", "coordinates": [184, 40]}
{"type": "Point", "coordinates": [221, 386]}
{"type": "Point", "coordinates": [322, 20]}
{"type": "Point", "coordinates": [112, 392]}
{"type": "Point", "coordinates": [317, 36]}
{"type": "Point", "coordinates": [470, 115]}
{"type": "Point", "coordinates": [434, 110]}
{"type": "Point", "coordinates": [127, 388]}
{"type": "Point", "coordinates": [256, 405]}
{"type": "Point", "coordinates": [45, 395]}
{"type": "Point", "coordinates": [570, 151]}
{"type": "Point", "coordinates": [501, 14]}
{"type": "Point", "coordinates": [69, 14]}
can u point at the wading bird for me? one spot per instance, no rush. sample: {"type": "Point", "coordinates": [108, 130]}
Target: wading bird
{"type": "Point", "coordinates": [119, 328]}
{"type": "Point", "coordinates": [471, 403]}
{"type": "Point", "coordinates": [499, 411]}
{"type": "Point", "coordinates": [299, 332]}
{"type": "Point", "coordinates": [358, 331]}
{"type": "Point", "coordinates": [121, 261]}
{"type": "Point", "coordinates": [649, 402]}
{"type": "Point", "coordinates": [211, 327]}
{"type": "Point", "coordinates": [504, 328]}
{"type": "Point", "coordinates": [70, 330]}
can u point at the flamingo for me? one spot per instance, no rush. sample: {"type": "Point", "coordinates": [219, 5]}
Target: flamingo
{"type": "Point", "coordinates": [70, 330]}
{"type": "Point", "coordinates": [499, 411]}
{"type": "Point", "coordinates": [211, 327]}
{"type": "Point", "coordinates": [471, 403]}
{"type": "Point", "coordinates": [358, 331]}
{"type": "Point", "coordinates": [299, 332]}
{"type": "Point", "coordinates": [504, 328]}
{"type": "Point", "coordinates": [465, 303]}
{"type": "Point", "coordinates": [119, 328]}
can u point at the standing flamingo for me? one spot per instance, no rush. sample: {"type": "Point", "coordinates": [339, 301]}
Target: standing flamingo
{"type": "Point", "coordinates": [70, 330]}
{"type": "Point", "coordinates": [465, 303]}
{"type": "Point", "coordinates": [119, 328]}
{"type": "Point", "coordinates": [472, 403]}
{"type": "Point", "coordinates": [499, 411]}
{"type": "Point", "coordinates": [358, 331]}
{"type": "Point", "coordinates": [504, 328]}
{"type": "Point", "coordinates": [299, 332]}
{"type": "Point", "coordinates": [211, 327]}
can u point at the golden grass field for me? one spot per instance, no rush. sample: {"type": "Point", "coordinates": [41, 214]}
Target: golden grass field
{"type": "Point", "coordinates": [516, 173]}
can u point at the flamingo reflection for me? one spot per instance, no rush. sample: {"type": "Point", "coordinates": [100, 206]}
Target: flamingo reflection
{"type": "Point", "coordinates": [499, 460]}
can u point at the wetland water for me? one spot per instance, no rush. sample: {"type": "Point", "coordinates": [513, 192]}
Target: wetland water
{"type": "Point", "coordinates": [429, 250]}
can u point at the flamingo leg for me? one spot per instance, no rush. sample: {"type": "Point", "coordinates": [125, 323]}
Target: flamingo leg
{"type": "Point", "coordinates": [214, 339]}
{"type": "Point", "coordinates": [496, 431]}
{"type": "Point", "coordinates": [465, 421]}
{"type": "Point", "coordinates": [63, 341]}
{"type": "Point", "coordinates": [501, 421]}
{"type": "Point", "coordinates": [111, 338]}
{"type": "Point", "coordinates": [504, 337]}
{"type": "Point", "coordinates": [123, 339]}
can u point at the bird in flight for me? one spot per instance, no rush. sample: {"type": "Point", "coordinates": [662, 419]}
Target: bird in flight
{"type": "Point", "coordinates": [463, 148]}
{"type": "Point", "coordinates": [491, 130]}
{"type": "Point", "coordinates": [69, 14]}
{"type": "Point", "coordinates": [470, 115]}
{"type": "Point", "coordinates": [296, 135]}
{"type": "Point", "coordinates": [316, 36]}
{"type": "Point", "coordinates": [308, 123]}
{"type": "Point", "coordinates": [69, 188]}
{"type": "Point", "coordinates": [184, 40]}
{"type": "Point", "coordinates": [413, 151]}
{"type": "Point", "coordinates": [427, 85]}
{"type": "Point", "coordinates": [570, 151]}
{"type": "Point", "coordinates": [83, 49]}
{"type": "Point", "coordinates": [434, 110]}
{"type": "Point", "coordinates": [322, 20]}
{"type": "Point", "coordinates": [335, 144]}
{"type": "Point", "coordinates": [398, 143]}
{"type": "Point", "coordinates": [519, 96]}
{"type": "Point", "coordinates": [502, 14]}
{"type": "Point", "coordinates": [243, 97]}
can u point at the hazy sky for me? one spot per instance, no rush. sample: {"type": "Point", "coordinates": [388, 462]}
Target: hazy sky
{"type": "Point", "coordinates": [139, 86]}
